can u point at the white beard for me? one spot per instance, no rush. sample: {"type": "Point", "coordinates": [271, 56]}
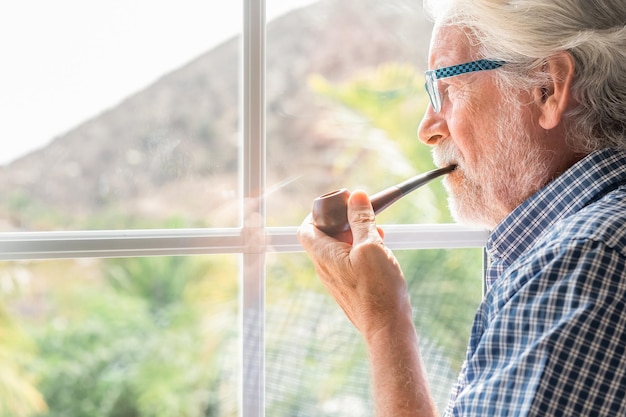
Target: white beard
{"type": "Point", "coordinates": [508, 174]}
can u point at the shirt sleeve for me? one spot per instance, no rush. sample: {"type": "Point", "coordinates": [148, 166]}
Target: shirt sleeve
{"type": "Point", "coordinates": [549, 338]}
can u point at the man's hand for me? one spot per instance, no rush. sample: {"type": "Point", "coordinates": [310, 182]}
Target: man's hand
{"type": "Point", "coordinates": [358, 270]}
{"type": "Point", "coordinates": [364, 277]}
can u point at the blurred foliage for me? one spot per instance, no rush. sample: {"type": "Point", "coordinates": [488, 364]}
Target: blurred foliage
{"type": "Point", "coordinates": [316, 363]}
{"type": "Point", "coordinates": [314, 357]}
{"type": "Point", "coordinates": [25, 211]}
{"type": "Point", "coordinates": [445, 287]}
{"type": "Point", "coordinates": [19, 396]}
{"type": "Point", "coordinates": [22, 210]}
{"type": "Point", "coordinates": [145, 338]}
{"type": "Point", "coordinates": [391, 98]}
{"type": "Point", "coordinates": [387, 104]}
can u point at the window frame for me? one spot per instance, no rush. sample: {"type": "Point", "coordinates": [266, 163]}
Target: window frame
{"type": "Point", "coordinates": [244, 241]}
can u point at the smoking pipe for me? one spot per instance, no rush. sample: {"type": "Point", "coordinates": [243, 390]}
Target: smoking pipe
{"type": "Point", "coordinates": [330, 211]}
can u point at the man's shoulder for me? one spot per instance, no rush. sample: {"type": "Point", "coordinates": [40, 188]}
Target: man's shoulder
{"type": "Point", "coordinates": [584, 246]}
{"type": "Point", "coordinates": [603, 221]}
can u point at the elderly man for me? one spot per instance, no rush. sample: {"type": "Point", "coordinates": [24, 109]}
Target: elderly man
{"type": "Point", "coordinates": [528, 99]}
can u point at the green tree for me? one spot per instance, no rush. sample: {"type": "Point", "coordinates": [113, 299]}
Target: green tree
{"type": "Point", "coordinates": [146, 342]}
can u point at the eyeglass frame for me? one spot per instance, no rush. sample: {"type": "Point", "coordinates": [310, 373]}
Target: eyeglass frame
{"type": "Point", "coordinates": [431, 77]}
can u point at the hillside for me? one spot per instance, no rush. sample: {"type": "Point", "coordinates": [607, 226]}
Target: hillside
{"type": "Point", "coordinates": [173, 148]}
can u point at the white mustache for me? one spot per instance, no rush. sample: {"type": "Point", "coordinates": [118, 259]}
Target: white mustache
{"type": "Point", "coordinates": [446, 154]}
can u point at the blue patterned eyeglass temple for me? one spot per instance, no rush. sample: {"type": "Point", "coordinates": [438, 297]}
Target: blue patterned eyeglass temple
{"type": "Point", "coordinates": [432, 76]}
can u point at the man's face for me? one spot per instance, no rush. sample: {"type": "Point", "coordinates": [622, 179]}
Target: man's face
{"type": "Point", "coordinates": [489, 133]}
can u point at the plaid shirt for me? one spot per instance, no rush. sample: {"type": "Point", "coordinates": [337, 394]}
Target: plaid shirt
{"type": "Point", "coordinates": [549, 338]}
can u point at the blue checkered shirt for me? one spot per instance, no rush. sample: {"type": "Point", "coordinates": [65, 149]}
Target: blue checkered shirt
{"type": "Point", "coordinates": [549, 338]}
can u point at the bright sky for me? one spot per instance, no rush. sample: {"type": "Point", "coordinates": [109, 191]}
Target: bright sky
{"type": "Point", "coordinates": [65, 61]}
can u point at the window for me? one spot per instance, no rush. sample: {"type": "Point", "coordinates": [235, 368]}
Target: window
{"type": "Point", "coordinates": [169, 217]}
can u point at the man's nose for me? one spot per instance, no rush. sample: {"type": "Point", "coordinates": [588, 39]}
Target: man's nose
{"type": "Point", "coordinates": [433, 127]}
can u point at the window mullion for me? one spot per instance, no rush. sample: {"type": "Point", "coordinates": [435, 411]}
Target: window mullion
{"type": "Point", "coordinates": [252, 288]}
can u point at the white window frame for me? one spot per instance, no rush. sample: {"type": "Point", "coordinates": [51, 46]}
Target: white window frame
{"type": "Point", "coordinates": [240, 240]}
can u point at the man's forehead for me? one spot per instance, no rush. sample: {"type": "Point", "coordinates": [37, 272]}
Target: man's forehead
{"type": "Point", "coordinates": [449, 45]}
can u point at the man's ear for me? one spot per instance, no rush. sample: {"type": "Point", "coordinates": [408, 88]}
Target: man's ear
{"type": "Point", "coordinates": [554, 97]}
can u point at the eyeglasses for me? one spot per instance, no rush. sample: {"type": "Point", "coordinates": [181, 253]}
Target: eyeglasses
{"type": "Point", "coordinates": [432, 76]}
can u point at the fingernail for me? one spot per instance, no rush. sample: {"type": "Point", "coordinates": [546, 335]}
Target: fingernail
{"type": "Point", "coordinates": [359, 198]}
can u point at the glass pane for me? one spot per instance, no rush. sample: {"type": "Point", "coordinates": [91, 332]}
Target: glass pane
{"type": "Point", "coordinates": [119, 114]}
{"type": "Point", "coordinates": [151, 336]}
{"type": "Point", "coordinates": [316, 364]}
{"type": "Point", "coordinates": [345, 95]}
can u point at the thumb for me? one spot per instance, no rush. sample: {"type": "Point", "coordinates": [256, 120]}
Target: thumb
{"type": "Point", "coordinates": [361, 217]}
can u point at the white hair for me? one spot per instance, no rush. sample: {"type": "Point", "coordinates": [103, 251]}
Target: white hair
{"type": "Point", "coordinates": [524, 33]}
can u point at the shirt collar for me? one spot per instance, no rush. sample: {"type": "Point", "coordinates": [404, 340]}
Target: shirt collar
{"type": "Point", "coordinates": [584, 182]}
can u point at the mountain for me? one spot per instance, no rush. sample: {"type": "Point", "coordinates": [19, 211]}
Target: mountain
{"type": "Point", "coordinates": [172, 149]}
